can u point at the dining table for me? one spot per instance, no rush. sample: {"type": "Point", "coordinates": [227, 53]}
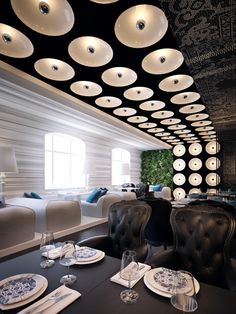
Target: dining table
{"type": "Point", "coordinates": [100, 295]}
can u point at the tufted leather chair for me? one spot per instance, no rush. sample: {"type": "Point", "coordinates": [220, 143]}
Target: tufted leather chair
{"type": "Point", "coordinates": [202, 237]}
{"type": "Point", "coordinates": [158, 230]}
{"type": "Point", "coordinates": [126, 224]}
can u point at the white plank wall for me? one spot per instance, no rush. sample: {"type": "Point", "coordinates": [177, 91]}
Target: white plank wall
{"type": "Point", "coordinates": [26, 117]}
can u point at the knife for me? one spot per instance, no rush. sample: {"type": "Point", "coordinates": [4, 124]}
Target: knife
{"type": "Point", "coordinates": [53, 302]}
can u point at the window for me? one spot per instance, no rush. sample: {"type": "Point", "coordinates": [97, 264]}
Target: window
{"type": "Point", "coordinates": [64, 161]}
{"type": "Point", "coordinates": [120, 166]}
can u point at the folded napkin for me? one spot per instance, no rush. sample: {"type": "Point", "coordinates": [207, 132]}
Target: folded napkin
{"type": "Point", "coordinates": [53, 253]}
{"type": "Point", "coordinates": [143, 268]}
{"type": "Point", "coordinates": [57, 307]}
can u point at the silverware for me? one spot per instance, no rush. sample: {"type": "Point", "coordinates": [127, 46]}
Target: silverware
{"type": "Point", "coordinates": [51, 297]}
{"type": "Point", "coordinates": [58, 299]}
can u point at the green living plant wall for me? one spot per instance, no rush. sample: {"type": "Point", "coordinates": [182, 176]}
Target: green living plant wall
{"type": "Point", "coordinates": [157, 167]}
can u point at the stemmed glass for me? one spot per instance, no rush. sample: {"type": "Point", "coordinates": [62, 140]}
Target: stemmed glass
{"type": "Point", "coordinates": [129, 271]}
{"type": "Point", "coordinates": [68, 258]}
{"type": "Point", "coordinates": [47, 244]}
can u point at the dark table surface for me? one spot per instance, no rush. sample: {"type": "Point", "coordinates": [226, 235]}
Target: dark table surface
{"type": "Point", "coordinates": [100, 295]}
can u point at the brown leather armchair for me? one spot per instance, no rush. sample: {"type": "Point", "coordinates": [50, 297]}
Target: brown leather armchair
{"type": "Point", "coordinates": [202, 238]}
{"type": "Point", "coordinates": [126, 224]}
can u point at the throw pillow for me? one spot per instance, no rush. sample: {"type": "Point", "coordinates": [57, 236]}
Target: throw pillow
{"type": "Point", "coordinates": [157, 188]}
{"type": "Point", "coordinates": [103, 191]}
{"type": "Point", "coordinates": [35, 195]}
{"type": "Point", "coordinates": [28, 195]}
{"type": "Point", "coordinates": [93, 196]}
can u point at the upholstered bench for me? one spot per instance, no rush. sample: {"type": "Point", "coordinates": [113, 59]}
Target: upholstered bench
{"type": "Point", "coordinates": [17, 225]}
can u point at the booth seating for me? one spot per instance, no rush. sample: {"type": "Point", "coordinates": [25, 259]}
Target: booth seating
{"type": "Point", "coordinates": [202, 241]}
{"type": "Point", "coordinates": [17, 225]}
{"type": "Point", "coordinates": [126, 224]}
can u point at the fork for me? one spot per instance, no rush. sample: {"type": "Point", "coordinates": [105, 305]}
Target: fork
{"type": "Point", "coordinates": [50, 298]}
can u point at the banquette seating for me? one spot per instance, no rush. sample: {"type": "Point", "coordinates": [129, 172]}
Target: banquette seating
{"type": "Point", "coordinates": [202, 239]}
{"type": "Point", "coordinates": [126, 224]}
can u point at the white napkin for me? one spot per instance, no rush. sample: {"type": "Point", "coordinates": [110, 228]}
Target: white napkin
{"type": "Point", "coordinates": [53, 253]}
{"type": "Point", "coordinates": [143, 269]}
{"type": "Point", "coordinates": [57, 307]}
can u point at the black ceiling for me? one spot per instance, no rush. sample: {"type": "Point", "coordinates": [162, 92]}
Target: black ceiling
{"type": "Point", "coordinates": [201, 30]}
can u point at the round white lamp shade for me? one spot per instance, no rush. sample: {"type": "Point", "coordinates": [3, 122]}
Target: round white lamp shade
{"type": "Point", "coordinates": [195, 149]}
{"type": "Point", "coordinates": [155, 130]}
{"type": "Point", "coordinates": [212, 147]}
{"type": "Point", "coordinates": [137, 119]}
{"type": "Point", "coordinates": [194, 191]}
{"type": "Point", "coordinates": [195, 179]}
{"type": "Point", "coordinates": [179, 179]}
{"type": "Point", "coordinates": [179, 193]}
{"type": "Point", "coordinates": [86, 88]}
{"type": "Point", "coordinates": [152, 105]}
{"type": "Point", "coordinates": [212, 179]}
{"type": "Point", "coordinates": [119, 76]}
{"type": "Point", "coordinates": [49, 17]}
{"type": "Point", "coordinates": [108, 102]}
{"type": "Point", "coordinates": [162, 61]}
{"type": "Point", "coordinates": [179, 150]}
{"type": "Point", "coordinates": [195, 164]}
{"type": "Point", "coordinates": [124, 111]}
{"type": "Point", "coordinates": [185, 98]}
{"type": "Point", "coordinates": [141, 26]}
{"type": "Point", "coordinates": [179, 164]}
{"type": "Point", "coordinates": [213, 163]}
{"type": "Point", "coordinates": [176, 83]}
{"type": "Point", "coordinates": [14, 43]}
{"type": "Point", "coordinates": [90, 51]}
{"type": "Point", "coordinates": [54, 69]}
{"type": "Point", "coordinates": [138, 93]}
{"type": "Point", "coordinates": [147, 125]}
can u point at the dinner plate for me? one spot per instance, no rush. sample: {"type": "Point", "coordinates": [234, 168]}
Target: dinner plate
{"type": "Point", "coordinates": [100, 257]}
{"type": "Point", "coordinates": [29, 299]}
{"type": "Point", "coordinates": [87, 254]}
{"type": "Point", "coordinates": [161, 292]}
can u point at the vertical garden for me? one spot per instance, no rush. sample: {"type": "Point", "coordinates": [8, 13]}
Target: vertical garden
{"type": "Point", "coordinates": [157, 167]}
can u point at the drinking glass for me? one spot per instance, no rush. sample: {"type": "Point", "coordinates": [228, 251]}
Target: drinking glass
{"type": "Point", "coordinates": [184, 292]}
{"type": "Point", "coordinates": [129, 271]}
{"type": "Point", "coordinates": [47, 244]}
{"type": "Point", "coordinates": [68, 258]}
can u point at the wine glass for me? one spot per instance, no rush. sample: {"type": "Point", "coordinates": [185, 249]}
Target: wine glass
{"type": "Point", "coordinates": [47, 244]}
{"type": "Point", "coordinates": [68, 258]}
{"type": "Point", "coordinates": [129, 271]}
{"type": "Point", "coordinates": [184, 292]}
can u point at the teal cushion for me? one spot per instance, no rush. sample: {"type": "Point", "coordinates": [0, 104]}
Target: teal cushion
{"type": "Point", "coordinates": [35, 195]}
{"type": "Point", "coordinates": [157, 188]}
{"type": "Point", "coordinates": [93, 196]}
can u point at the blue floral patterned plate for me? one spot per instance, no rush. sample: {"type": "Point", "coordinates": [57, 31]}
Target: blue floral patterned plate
{"type": "Point", "coordinates": [20, 287]}
{"type": "Point", "coordinates": [87, 254]}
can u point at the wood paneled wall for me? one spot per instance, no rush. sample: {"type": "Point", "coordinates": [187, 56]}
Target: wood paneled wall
{"type": "Point", "coordinates": [26, 117]}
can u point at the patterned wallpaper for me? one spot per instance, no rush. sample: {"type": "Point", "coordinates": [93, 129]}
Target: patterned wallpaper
{"type": "Point", "coordinates": [205, 33]}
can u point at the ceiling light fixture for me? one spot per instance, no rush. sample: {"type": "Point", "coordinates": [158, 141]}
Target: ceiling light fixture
{"type": "Point", "coordinates": [55, 67]}
{"type": "Point", "coordinates": [90, 49]}
{"type": "Point", "coordinates": [6, 38]}
{"type": "Point", "coordinates": [162, 59]}
{"type": "Point", "coordinates": [44, 7]}
{"type": "Point", "coordinates": [140, 24]}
